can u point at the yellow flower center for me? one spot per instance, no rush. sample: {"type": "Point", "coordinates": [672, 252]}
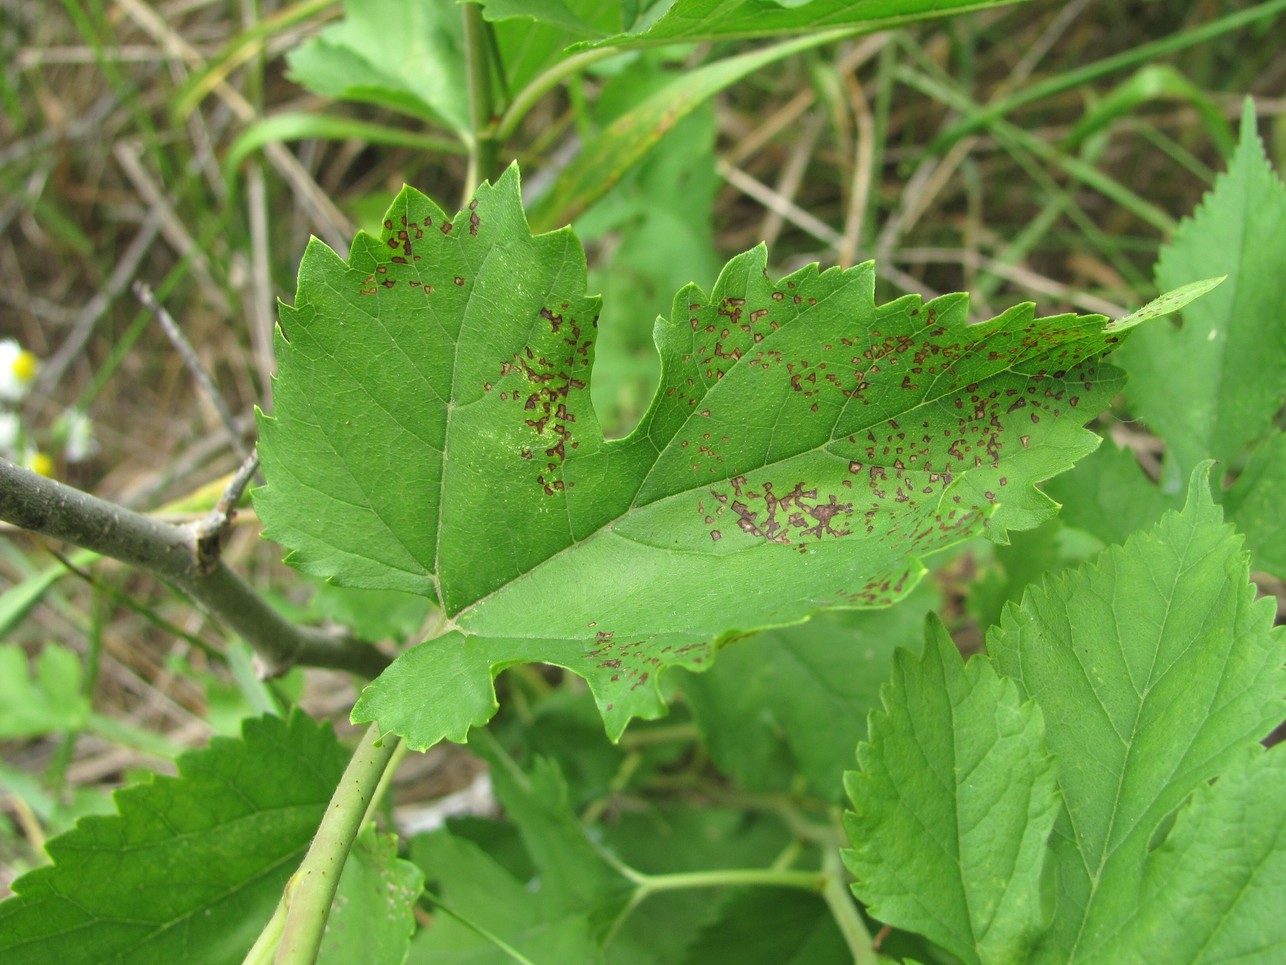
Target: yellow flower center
{"type": "Point", "coordinates": [25, 366]}
{"type": "Point", "coordinates": [42, 464]}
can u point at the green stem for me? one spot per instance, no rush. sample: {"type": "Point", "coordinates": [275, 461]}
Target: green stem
{"type": "Point", "coordinates": [483, 151]}
{"type": "Point", "coordinates": [311, 889]}
{"type": "Point", "coordinates": [473, 926]}
{"type": "Point", "coordinates": [836, 895]}
{"type": "Point", "coordinates": [813, 881]}
{"type": "Point", "coordinates": [543, 84]}
{"type": "Point", "coordinates": [828, 882]}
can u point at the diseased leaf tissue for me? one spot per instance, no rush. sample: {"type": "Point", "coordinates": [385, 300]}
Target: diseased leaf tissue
{"type": "Point", "coordinates": [805, 448]}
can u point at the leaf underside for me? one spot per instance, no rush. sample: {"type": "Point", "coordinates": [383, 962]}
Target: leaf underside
{"type": "Point", "coordinates": [804, 450]}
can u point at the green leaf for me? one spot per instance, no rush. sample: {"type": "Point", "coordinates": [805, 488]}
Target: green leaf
{"type": "Point", "coordinates": [533, 35]}
{"type": "Point", "coordinates": [1169, 303]}
{"type": "Point", "coordinates": [1154, 667]}
{"type": "Point", "coordinates": [371, 920]}
{"type": "Point", "coordinates": [583, 18]}
{"type": "Point", "coordinates": [693, 21]}
{"type": "Point", "coordinates": [1212, 386]}
{"type": "Point", "coordinates": [47, 702]}
{"type": "Point", "coordinates": [405, 55]}
{"type": "Point", "coordinates": [573, 875]}
{"type": "Point", "coordinates": [1212, 892]}
{"type": "Point", "coordinates": [191, 867]}
{"type": "Point", "coordinates": [804, 450]}
{"type": "Point", "coordinates": [669, 838]}
{"type": "Point", "coordinates": [771, 926]}
{"type": "Point", "coordinates": [1255, 503]}
{"type": "Point", "coordinates": [794, 701]}
{"type": "Point", "coordinates": [565, 907]}
{"type": "Point", "coordinates": [485, 909]}
{"type": "Point", "coordinates": [1108, 496]}
{"type": "Point", "coordinates": [953, 800]}
{"type": "Point", "coordinates": [615, 150]}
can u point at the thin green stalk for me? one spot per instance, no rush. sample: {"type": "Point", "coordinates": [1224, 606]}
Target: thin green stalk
{"type": "Point", "coordinates": [543, 84]}
{"type": "Point", "coordinates": [726, 878]}
{"type": "Point", "coordinates": [311, 890]}
{"type": "Point", "coordinates": [836, 895]}
{"type": "Point", "coordinates": [985, 116]}
{"type": "Point", "coordinates": [828, 883]}
{"type": "Point", "coordinates": [473, 926]}
{"type": "Point", "coordinates": [483, 148]}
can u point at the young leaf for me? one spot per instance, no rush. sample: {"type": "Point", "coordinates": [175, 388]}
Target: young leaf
{"type": "Point", "coordinates": [953, 800]}
{"type": "Point", "coordinates": [805, 448]}
{"type": "Point", "coordinates": [191, 867]}
{"type": "Point", "coordinates": [1212, 386]}
{"type": "Point", "coordinates": [49, 701]}
{"type": "Point", "coordinates": [1155, 667]}
{"type": "Point", "coordinates": [405, 55]}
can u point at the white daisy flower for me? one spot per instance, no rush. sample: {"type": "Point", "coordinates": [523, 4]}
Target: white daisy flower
{"type": "Point", "coordinates": [18, 368]}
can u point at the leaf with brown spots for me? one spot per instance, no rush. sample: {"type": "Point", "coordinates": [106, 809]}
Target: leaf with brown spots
{"type": "Point", "coordinates": [805, 450]}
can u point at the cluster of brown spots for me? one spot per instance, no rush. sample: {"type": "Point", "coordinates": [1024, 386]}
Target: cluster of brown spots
{"type": "Point", "coordinates": [879, 592]}
{"type": "Point", "coordinates": [784, 519]}
{"type": "Point", "coordinates": [401, 238]}
{"type": "Point", "coordinates": [725, 340]}
{"type": "Point", "coordinates": [545, 405]}
{"type": "Point", "coordinates": [707, 448]}
{"type": "Point", "coordinates": [636, 661]}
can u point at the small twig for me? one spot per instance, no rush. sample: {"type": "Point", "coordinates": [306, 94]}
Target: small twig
{"type": "Point", "coordinates": [754, 188]}
{"type": "Point", "coordinates": [210, 530]}
{"type": "Point", "coordinates": [61, 512]}
{"type": "Point", "coordinates": [51, 372]}
{"type": "Point", "coordinates": [188, 354]}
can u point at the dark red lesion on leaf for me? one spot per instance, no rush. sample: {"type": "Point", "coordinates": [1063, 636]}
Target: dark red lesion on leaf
{"type": "Point", "coordinates": [635, 661]}
{"type": "Point", "coordinates": [553, 380]}
{"type": "Point", "coordinates": [783, 519]}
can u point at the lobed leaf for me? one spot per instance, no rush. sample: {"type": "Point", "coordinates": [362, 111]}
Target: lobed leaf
{"type": "Point", "coordinates": [191, 867]}
{"type": "Point", "coordinates": [805, 449]}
